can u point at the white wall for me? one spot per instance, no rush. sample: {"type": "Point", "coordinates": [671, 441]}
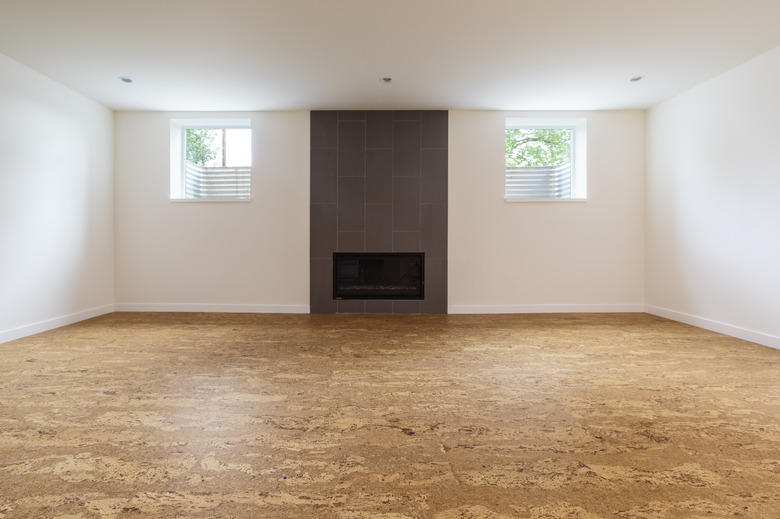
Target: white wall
{"type": "Point", "coordinates": [712, 229]}
{"type": "Point", "coordinates": [713, 192]}
{"type": "Point", "coordinates": [56, 204]}
{"type": "Point", "coordinates": [546, 256]}
{"type": "Point", "coordinates": [213, 256]}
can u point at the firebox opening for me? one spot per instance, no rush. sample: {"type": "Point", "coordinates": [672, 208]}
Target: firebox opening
{"type": "Point", "coordinates": [389, 275]}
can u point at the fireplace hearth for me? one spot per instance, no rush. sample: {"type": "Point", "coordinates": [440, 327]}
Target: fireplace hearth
{"type": "Point", "coordinates": [386, 275]}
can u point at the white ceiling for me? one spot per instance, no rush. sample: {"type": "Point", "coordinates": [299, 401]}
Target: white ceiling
{"type": "Point", "coordinates": [331, 54]}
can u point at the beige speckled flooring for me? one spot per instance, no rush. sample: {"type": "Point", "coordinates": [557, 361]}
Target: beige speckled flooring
{"type": "Point", "coordinates": [337, 416]}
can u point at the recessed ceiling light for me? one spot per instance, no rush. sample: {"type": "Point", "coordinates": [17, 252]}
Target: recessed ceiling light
{"type": "Point", "coordinates": [124, 79]}
{"type": "Point", "coordinates": [386, 80]}
{"type": "Point", "coordinates": [636, 79]}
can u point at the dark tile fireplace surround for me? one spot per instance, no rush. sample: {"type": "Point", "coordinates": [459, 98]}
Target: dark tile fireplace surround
{"type": "Point", "coordinates": [378, 184]}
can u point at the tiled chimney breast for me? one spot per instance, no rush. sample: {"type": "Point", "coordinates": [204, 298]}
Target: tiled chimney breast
{"type": "Point", "coordinates": [378, 184]}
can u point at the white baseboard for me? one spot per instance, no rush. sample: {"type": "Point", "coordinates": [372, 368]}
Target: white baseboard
{"type": "Point", "coordinates": [764, 339]}
{"type": "Point", "coordinates": [544, 309]}
{"type": "Point", "coordinates": [50, 324]}
{"type": "Point", "coordinates": [220, 308]}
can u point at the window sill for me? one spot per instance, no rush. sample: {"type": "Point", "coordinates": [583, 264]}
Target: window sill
{"type": "Point", "coordinates": [210, 200]}
{"type": "Point", "coordinates": [544, 200]}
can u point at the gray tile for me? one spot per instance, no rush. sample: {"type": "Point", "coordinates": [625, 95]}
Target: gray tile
{"type": "Point", "coordinates": [406, 190]}
{"type": "Point", "coordinates": [352, 148]}
{"type": "Point", "coordinates": [433, 176]}
{"type": "Point", "coordinates": [323, 238]}
{"type": "Point", "coordinates": [406, 217]}
{"type": "Point", "coordinates": [321, 287]}
{"type": "Point", "coordinates": [352, 241]}
{"type": "Point", "coordinates": [406, 148]}
{"type": "Point", "coordinates": [433, 230]}
{"type": "Point", "coordinates": [323, 129]}
{"type": "Point", "coordinates": [407, 307]}
{"type": "Point", "coordinates": [435, 301]}
{"type": "Point", "coordinates": [351, 115]}
{"type": "Point", "coordinates": [406, 115]}
{"type": "Point", "coordinates": [379, 176]}
{"type": "Point", "coordinates": [351, 206]}
{"type": "Point", "coordinates": [406, 242]}
{"type": "Point", "coordinates": [323, 188]}
{"type": "Point", "coordinates": [351, 306]}
{"type": "Point", "coordinates": [434, 129]}
{"type": "Point", "coordinates": [379, 228]}
{"type": "Point", "coordinates": [406, 204]}
{"type": "Point", "coordinates": [377, 306]}
{"type": "Point", "coordinates": [379, 129]}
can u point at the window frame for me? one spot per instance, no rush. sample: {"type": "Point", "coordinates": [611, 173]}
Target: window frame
{"type": "Point", "coordinates": [579, 175]}
{"type": "Point", "coordinates": [178, 139]}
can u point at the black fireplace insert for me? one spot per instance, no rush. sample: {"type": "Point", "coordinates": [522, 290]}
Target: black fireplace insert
{"type": "Point", "coordinates": [382, 275]}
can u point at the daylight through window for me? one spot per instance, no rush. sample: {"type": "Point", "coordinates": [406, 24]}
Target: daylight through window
{"type": "Point", "coordinates": [211, 160]}
{"type": "Point", "coordinates": [545, 159]}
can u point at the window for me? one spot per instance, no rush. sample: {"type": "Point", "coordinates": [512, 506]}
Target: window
{"type": "Point", "coordinates": [545, 159]}
{"type": "Point", "coordinates": [211, 159]}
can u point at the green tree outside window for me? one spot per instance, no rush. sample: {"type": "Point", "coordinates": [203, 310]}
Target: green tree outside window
{"type": "Point", "coordinates": [199, 145]}
{"type": "Point", "coordinates": [526, 147]}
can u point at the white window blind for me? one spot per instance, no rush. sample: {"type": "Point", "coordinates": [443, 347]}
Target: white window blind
{"type": "Point", "coordinates": [217, 182]}
{"type": "Point", "coordinates": [538, 182]}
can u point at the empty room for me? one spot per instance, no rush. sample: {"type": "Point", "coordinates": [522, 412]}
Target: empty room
{"type": "Point", "coordinates": [357, 259]}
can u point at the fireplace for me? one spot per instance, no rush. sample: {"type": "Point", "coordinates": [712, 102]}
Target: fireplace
{"type": "Point", "coordinates": [378, 185]}
{"type": "Point", "coordinates": [387, 275]}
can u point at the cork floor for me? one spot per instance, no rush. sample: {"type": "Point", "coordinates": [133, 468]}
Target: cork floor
{"type": "Point", "coordinates": [338, 416]}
